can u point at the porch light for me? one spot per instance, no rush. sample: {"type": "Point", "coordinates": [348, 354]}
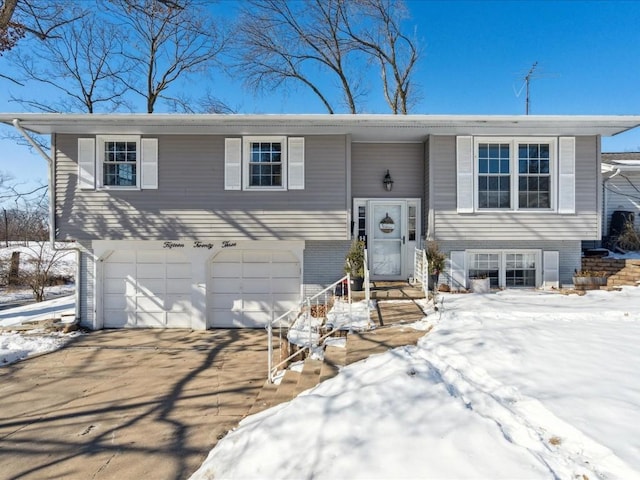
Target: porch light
{"type": "Point", "coordinates": [388, 183]}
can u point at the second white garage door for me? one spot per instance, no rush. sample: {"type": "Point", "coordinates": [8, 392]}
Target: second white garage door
{"type": "Point", "coordinates": [247, 288]}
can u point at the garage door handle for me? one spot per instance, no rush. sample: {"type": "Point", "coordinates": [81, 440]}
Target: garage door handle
{"type": "Point", "coordinates": [403, 239]}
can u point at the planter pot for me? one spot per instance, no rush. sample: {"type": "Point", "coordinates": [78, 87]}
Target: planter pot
{"type": "Point", "coordinates": [480, 285]}
{"type": "Point", "coordinates": [589, 283]}
{"type": "Point", "coordinates": [357, 284]}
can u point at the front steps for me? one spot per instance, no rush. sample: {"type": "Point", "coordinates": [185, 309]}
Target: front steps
{"type": "Point", "coordinates": [392, 332]}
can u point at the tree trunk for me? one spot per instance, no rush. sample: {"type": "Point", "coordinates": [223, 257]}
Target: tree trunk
{"type": "Point", "coordinates": [14, 269]}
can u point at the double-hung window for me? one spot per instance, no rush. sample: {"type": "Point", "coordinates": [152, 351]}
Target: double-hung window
{"type": "Point", "coordinates": [506, 268]}
{"type": "Point", "coordinates": [119, 158]}
{"type": "Point", "coordinates": [515, 174]}
{"type": "Point", "coordinates": [265, 160]}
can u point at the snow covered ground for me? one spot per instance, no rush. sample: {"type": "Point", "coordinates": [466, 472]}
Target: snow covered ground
{"type": "Point", "coordinates": [517, 384]}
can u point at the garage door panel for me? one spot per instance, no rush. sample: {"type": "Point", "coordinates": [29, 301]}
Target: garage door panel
{"type": "Point", "coordinates": [148, 270]}
{"type": "Point", "coordinates": [229, 270]}
{"type": "Point", "coordinates": [226, 285]}
{"type": "Point", "coordinates": [257, 318]}
{"type": "Point", "coordinates": [115, 301]}
{"type": "Point", "coordinates": [254, 256]}
{"type": "Point", "coordinates": [149, 304]}
{"type": "Point", "coordinates": [120, 286]}
{"type": "Point", "coordinates": [256, 302]}
{"type": "Point", "coordinates": [283, 257]}
{"type": "Point", "coordinates": [257, 270]}
{"type": "Point", "coordinates": [229, 301]}
{"type": "Point", "coordinates": [150, 320]}
{"type": "Point", "coordinates": [285, 301]}
{"type": "Point", "coordinates": [179, 319]}
{"type": "Point", "coordinates": [115, 319]}
{"type": "Point", "coordinates": [284, 270]}
{"type": "Point", "coordinates": [119, 270]}
{"type": "Point", "coordinates": [179, 286]}
{"type": "Point", "coordinates": [179, 270]}
{"type": "Point", "coordinates": [255, 285]}
{"type": "Point", "coordinates": [177, 303]}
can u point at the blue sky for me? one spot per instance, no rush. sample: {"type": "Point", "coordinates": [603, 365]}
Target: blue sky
{"type": "Point", "coordinates": [474, 58]}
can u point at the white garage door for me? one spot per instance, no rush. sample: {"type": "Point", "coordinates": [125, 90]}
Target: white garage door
{"type": "Point", "coordinates": [147, 289]}
{"type": "Point", "coordinates": [247, 288]}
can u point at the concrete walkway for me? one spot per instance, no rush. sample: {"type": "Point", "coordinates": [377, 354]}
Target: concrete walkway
{"type": "Point", "coordinates": [127, 404]}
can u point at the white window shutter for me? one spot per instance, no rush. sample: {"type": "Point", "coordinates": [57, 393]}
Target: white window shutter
{"type": "Point", "coordinates": [149, 163]}
{"type": "Point", "coordinates": [567, 175]}
{"type": "Point", "coordinates": [551, 270]}
{"type": "Point", "coordinates": [458, 270]}
{"type": "Point", "coordinates": [296, 163]}
{"type": "Point", "coordinates": [232, 163]}
{"type": "Point", "coordinates": [464, 169]}
{"type": "Point", "coordinates": [87, 163]}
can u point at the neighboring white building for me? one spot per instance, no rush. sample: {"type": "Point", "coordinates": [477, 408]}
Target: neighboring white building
{"type": "Point", "coordinates": [205, 221]}
{"type": "Point", "coordinates": [621, 186]}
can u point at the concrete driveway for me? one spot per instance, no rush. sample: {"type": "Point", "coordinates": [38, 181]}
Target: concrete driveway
{"type": "Point", "coordinates": [127, 404]}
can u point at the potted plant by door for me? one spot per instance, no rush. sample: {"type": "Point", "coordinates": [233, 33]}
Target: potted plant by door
{"type": "Point", "coordinates": [435, 262]}
{"type": "Point", "coordinates": [354, 264]}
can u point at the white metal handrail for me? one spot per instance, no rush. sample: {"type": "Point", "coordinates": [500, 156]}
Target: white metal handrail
{"type": "Point", "coordinates": [296, 311]}
{"type": "Point", "coordinates": [421, 269]}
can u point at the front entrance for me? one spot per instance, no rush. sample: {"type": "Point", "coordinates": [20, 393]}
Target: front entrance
{"type": "Point", "coordinates": [390, 228]}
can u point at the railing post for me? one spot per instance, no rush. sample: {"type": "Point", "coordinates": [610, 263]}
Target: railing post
{"type": "Point", "coordinates": [270, 349]}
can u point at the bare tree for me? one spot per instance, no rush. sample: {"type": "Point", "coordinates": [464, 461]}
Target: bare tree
{"type": "Point", "coordinates": [282, 42]}
{"type": "Point", "coordinates": [169, 39]}
{"type": "Point", "coordinates": [81, 63]}
{"type": "Point", "coordinates": [40, 269]}
{"type": "Point", "coordinates": [380, 36]}
{"type": "Point", "coordinates": [39, 18]}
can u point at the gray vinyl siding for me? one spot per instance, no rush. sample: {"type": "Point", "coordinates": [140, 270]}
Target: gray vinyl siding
{"type": "Point", "coordinates": [370, 162]}
{"type": "Point", "coordinates": [191, 202]}
{"type": "Point", "coordinates": [570, 252]}
{"type": "Point", "coordinates": [450, 225]}
{"type": "Point", "coordinates": [86, 289]}
{"type": "Point", "coordinates": [427, 191]}
{"type": "Point", "coordinates": [323, 264]}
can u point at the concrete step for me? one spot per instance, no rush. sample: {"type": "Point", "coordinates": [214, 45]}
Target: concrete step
{"type": "Point", "coordinates": [310, 376]}
{"type": "Point", "coordinates": [287, 388]}
{"type": "Point", "coordinates": [265, 398]}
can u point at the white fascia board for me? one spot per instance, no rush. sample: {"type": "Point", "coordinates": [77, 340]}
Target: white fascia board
{"type": "Point", "coordinates": [361, 127]}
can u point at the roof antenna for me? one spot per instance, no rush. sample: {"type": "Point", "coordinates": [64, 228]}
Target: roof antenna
{"type": "Point", "coordinates": [527, 80]}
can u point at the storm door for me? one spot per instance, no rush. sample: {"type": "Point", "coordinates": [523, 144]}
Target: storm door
{"type": "Point", "coordinates": [386, 239]}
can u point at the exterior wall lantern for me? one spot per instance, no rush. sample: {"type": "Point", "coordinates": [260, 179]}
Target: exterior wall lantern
{"type": "Point", "coordinates": [388, 183]}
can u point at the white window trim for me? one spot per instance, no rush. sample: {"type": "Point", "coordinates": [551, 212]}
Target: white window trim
{"type": "Point", "coordinates": [514, 172]}
{"type": "Point", "coordinates": [100, 141]}
{"type": "Point", "coordinates": [502, 280]}
{"type": "Point", "coordinates": [246, 156]}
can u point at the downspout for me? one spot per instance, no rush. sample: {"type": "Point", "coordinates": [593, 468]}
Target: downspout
{"type": "Point", "coordinates": [52, 218]}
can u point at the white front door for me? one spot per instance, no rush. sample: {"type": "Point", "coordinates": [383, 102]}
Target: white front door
{"type": "Point", "coordinates": [387, 239]}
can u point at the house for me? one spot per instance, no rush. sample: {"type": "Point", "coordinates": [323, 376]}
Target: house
{"type": "Point", "coordinates": [621, 191]}
{"type": "Point", "coordinates": [204, 221]}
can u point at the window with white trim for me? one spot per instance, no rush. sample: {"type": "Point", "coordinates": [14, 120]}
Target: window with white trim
{"type": "Point", "coordinates": [506, 268]}
{"type": "Point", "coordinates": [515, 173]}
{"type": "Point", "coordinates": [119, 161]}
{"type": "Point", "coordinates": [265, 163]}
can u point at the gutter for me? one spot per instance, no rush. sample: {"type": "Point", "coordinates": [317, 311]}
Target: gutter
{"type": "Point", "coordinates": [52, 199]}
